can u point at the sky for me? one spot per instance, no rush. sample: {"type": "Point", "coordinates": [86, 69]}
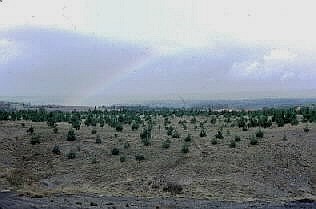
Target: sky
{"type": "Point", "coordinates": [121, 51]}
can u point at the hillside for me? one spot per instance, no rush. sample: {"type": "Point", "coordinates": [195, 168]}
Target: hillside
{"type": "Point", "coordinates": [277, 167]}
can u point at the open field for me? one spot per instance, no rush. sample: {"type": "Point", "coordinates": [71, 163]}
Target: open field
{"type": "Point", "coordinates": [279, 168]}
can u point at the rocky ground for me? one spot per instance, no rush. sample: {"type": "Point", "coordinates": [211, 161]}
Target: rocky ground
{"type": "Point", "coordinates": [13, 201]}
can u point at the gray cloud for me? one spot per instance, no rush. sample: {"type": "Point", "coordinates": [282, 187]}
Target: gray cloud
{"type": "Point", "coordinates": [234, 70]}
{"type": "Point", "coordinates": [53, 62]}
{"type": "Point", "coordinates": [85, 69]}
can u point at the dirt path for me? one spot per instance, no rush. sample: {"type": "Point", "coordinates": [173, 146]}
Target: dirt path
{"type": "Point", "coordinates": [13, 201]}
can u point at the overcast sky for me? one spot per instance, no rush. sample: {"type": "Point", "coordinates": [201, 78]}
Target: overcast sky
{"type": "Point", "coordinates": [98, 52]}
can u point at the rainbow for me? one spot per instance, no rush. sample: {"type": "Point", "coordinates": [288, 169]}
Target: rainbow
{"type": "Point", "coordinates": [106, 80]}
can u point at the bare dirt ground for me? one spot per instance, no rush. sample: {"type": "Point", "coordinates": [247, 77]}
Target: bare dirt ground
{"type": "Point", "coordinates": [274, 171]}
{"type": "Point", "coordinates": [12, 201]}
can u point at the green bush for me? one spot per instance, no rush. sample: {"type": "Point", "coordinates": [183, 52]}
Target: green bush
{"type": "Point", "coordinates": [213, 120]}
{"type": "Point", "coordinates": [253, 140]}
{"type": "Point", "coordinates": [214, 141]}
{"type": "Point", "coordinates": [115, 151]}
{"type": "Point", "coordinates": [259, 134]}
{"type": "Point", "coordinates": [185, 148]}
{"type": "Point", "coordinates": [145, 134]}
{"type": "Point", "coordinates": [175, 134]}
{"type": "Point", "coordinates": [139, 157]}
{"type": "Point", "coordinates": [219, 135]}
{"type": "Point", "coordinates": [203, 133]}
{"type": "Point", "coordinates": [280, 122]}
{"type": "Point", "coordinates": [98, 140]}
{"type": "Point", "coordinates": [232, 144]}
{"type": "Point", "coordinates": [55, 130]}
{"type": "Point", "coordinates": [146, 141]}
{"type": "Point", "coordinates": [71, 154]}
{"type": "Point", "coordinates": [122, 158]}
{"type": "Point", "coordinates": [101, 123]}
{"type": "Point", "coordinates": [193, 120]}
{"type": "Point", "coordinates": [35, 140]}
{"type": "Point", "coordinates": [173, 188]}
{"type": "Point", "coordinates": [284, 138]}
{"type": "Point", "coordinates": [237, 138]}
{"type": "Point", "coordinates": [56, 150]}
{"type": "Point", "coordinates": [126, 145]}
{"type": "Point", "coordinates": [166, 144]}
{"type": "Point", "coordinates": [188, 138]}
{"type": "Point", "coordinates": [93, 131]}
{"type": "Point", "coordinates": [119, 128]}
{"type": "Point", "coordinates": [306, 129]}
{"type": "Point", "coordinates": [294, 122]}
{"type": "Point", "coordinates": [170, 130]}
{"type": "Point", "coordinates": [71, 135]}
{"type": "Point", "coordinates": [135, 126]}
{"type": "Point", "coordinates": [30, 130]}
{"type": "Point", "coordinates": [94, 160]}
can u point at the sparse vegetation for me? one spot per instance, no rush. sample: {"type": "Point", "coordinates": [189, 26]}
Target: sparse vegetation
{"type": "Point", "coordinates": [185, 148]}
{"type": "Point", "coordinates": [232, 144]}
{"type": "Point", "coordinates": [284, 138]}
{"type": "Point", "coordinates": [203, 133]}
{"type": "Point", "coordinates": [122, 158]}
{"type": "Point", "coordinates": [35, 139]}
{"type": "Point", "coordinates": [175, 134]}
{"type": "Point", "coordinates": [193, 120]}
{"type": "Point", "coordinates": [55, 130]}
{"type": "Point", "coordinates": [213, 120]}
{"type": "Point", "coordinates": [259, 134]}
{"type": "Point", "coordinates": [253, 140]}
{"type": "Point", "coordinates": [135, 126]}
{"type": "Point", "coordinates": [146, 136]}
{"type": "Point", "coordinates": [146, 141]}
{"type": "Point", "coordinates": [139, 157]}
{"type": "Point", "coordinates": [214, 141]}
{"type": "Point", "coordinates": [126, 145]}
{"type": "Point", "coordinates": [94, 160]}
{"type": "Point", "coordinates": [30, 130]}
{"type": "Point", "coordinates": [98, 140]}
{"type": "Point", "coordinates": [166, 159]}
{"type": "Point", "coordinates": [188, 138]}
{"type": "Point", "coordinates": [115, 151]}
{"type": "Point", "coordinates": [166, 144]}
{"type": "Point", "coordinates": [237, 138]}
{"type": "Point", "coordinates": [71, 154]}
{"type": "Point", "coordinates": [71, 135]}
{"type": "Point", "coordinates": [56, 150]}
{"type": "Point", "coordinates": [219, 135]}
{"type": "Point", "coordinates": [173, 188]}
{"type": "Point", "coordinates": [119, 128]}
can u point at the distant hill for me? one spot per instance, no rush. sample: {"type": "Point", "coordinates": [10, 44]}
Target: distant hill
{"type": "Point", "coordinates": [233, 104]}
{"type": "Point", "coordinates": [200, 104]}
